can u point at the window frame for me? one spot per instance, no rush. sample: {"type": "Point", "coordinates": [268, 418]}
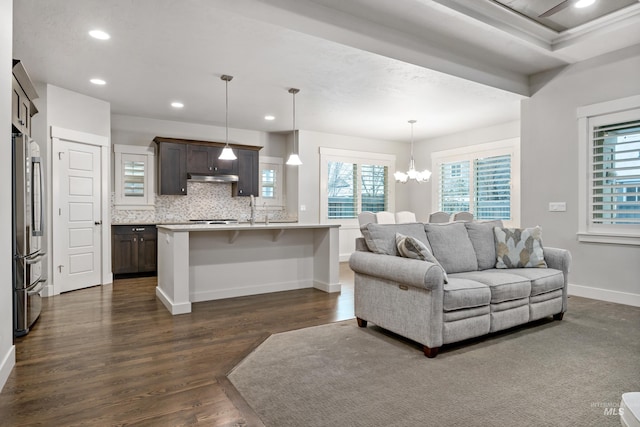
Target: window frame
{"type": "Point", "coordinates": [469, 153]}
{"type": "Point", "coordinates": [616, 111]}
{"type": "Point", "coordinates": [277, 202]}
{"type": "Point", "coordinates": [359, 158]}
{"type": "Point", "coordinates": [135, 153]}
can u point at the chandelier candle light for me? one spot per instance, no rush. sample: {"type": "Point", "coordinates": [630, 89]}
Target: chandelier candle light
{"type": "Point", "coordinates": [412, 173]}
{"type": "Point", "coordinates": [227, 152]}
{"type": "Point", "coordinates": [294, 159]}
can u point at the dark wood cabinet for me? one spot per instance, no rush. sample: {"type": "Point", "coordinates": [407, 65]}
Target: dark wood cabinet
{"type": "Point", "coordinates": [248, 174]}
{"type": "Point", "coordinates": [179, 157]}
{"type": "Point", "coordinates": [203, 159]}
{"type": "Point", "coordinates": [134, 249]}
{"type": "Point", "coordinates": [172, 168]}
{"type": "Point", "coordinates": [22, 95]}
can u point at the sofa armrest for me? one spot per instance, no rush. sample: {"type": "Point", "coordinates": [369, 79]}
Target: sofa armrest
{"type": "Point", "coordinates": [412, 272]}
{"type": "Point", "coordinates": [560, 259]}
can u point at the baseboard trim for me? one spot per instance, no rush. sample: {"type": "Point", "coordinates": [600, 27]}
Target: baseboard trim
{"type": "Point", "coordinates": [8, 362]}
{"type": "Point", "coordinates": [617, 297]}
{"type": "Point", "coordinates": [344, 257]}
{"type": "Point", "coordinates": [234, 291]}
{"type": "Point", "coordinates": [174, 308]}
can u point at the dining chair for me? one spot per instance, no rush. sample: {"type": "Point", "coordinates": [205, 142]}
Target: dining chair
{"type": "Point", "coordinates": [385, 217]}
{"type": "Point", "coordinates": [365, 218]}
{"type": "Point", "coordinates": [405, 216]}
{"type": "Point", "coordinates": [463, 216]}
{"type": "Point", "coordinates": [439, 217]}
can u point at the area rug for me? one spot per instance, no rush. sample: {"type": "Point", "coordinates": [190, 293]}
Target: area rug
{"type": "Point", "coordinates": [549, 373]}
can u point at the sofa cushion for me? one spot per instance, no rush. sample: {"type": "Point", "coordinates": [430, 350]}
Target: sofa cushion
{"type": "Point", "coordinates": [451, 246]}
{"type": "Point", "coordinates": [504, 286]}
{"type": "Point", "coordinates": [462, 293]}
{"type": "Point", "coordinates": [410, 247]}
{"type": "Point", "coordinates": [542, 279]}
{"type": "Point", "coordinates": [381, 238]}
{"type": "Point", "coordinates": [519, 247]}
{"type": "Point", "coordinates": [483, 241]}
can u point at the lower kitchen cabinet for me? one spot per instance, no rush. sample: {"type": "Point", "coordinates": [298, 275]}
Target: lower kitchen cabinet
{"type": "Point", "coordinates": [134, 249]}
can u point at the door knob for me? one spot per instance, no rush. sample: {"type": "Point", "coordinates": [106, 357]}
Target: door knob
{"type": "Point", "coordinates": [98, 223]}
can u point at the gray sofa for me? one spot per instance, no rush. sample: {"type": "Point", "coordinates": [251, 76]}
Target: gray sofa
{"type": "Point", "coordinates": [410, 297]}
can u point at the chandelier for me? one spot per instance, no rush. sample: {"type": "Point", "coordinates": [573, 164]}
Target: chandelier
{"type": "Point", "coordinates": [412, 173]}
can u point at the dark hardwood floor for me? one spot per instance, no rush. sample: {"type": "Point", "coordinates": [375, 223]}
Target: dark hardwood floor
{"type": "Point", "coordinates": [114, 356]}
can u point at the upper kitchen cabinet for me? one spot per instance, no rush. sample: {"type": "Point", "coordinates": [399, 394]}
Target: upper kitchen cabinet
{"type": "Point", "coordinates": [248, 174]}
{"type": "Point", "coordinates": [203, 159]}
{"type": "Point", "coordinates": [172, 168]}
{"type": "Point", "coordinates": [22, 95]}
{"type": "Point", "coordinates": [179, 159]}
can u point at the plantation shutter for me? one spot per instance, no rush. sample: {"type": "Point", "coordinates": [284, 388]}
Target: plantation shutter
{"type": "Point", "coordinates": [134, 179]}
{"type": "Point", "coordinates": [614, 185]}
{"type": "Point", "coordinates": [454, 186]}
{"type": "Point", "coordinates": [373, 188]}
{"type": "Point", "coordinates": [492, 181]}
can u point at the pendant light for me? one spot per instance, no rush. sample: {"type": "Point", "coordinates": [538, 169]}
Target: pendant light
{"type": "Point", "coordinates": [294, 159]}
{"type": "Point", "coordinates": [227, 152]}
{"type": "Point", "coordinates": [412, 173]}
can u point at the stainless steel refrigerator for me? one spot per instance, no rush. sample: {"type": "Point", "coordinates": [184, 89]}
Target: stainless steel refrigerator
{"type": "Point", "coordinates": [29, 277]}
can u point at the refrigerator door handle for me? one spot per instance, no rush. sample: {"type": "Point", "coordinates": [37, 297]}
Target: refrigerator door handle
{"type": "Point", "coordinates": [37, 200]}
{"type": "Point", "coordinates": [35, 258]}
{"type": "Point", "coordinates": [34, 288]}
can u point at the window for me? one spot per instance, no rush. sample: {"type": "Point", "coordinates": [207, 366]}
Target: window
{"type": "Point", "coordinates": [133, 177]}
{"type": "Point", "coordinates": [271, 181]}
{"type": "Point", "coordinates": [354, 182]}
{"type": "Point", "coordinates": [610, 172]}
{"type": "Point", "coordinates": [481, 179]}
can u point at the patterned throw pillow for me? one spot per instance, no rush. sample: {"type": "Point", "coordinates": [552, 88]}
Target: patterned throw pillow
{"type": "Point", "coordinates": [519, 247]}
{"type": "Point", "coordinates": [410, 247]}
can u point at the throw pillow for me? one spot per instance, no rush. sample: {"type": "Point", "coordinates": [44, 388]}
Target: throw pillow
{"type": "Point", "coordinates": [519, 247]}
{"type": "Point", "coordinates": [450, 244]}
{"type": "Point", "coordinates": [483, 241]}
{"type": "Point", "coordinates": [410, 247]}
{"type": "Point", "coordinates": [380, 238]}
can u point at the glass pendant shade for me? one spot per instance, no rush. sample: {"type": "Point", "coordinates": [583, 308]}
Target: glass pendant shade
{"type": "Point", "coordinates": [227, 152]}
{"type": "Point", "coordinates": [412, 173]}
{"type": "Point", "coordinates": [294, 159]}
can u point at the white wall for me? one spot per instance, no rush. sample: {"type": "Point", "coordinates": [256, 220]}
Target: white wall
{"type": "Point", "coordinates": [7, 350]}
{"type": "Point", "coordinates": [308, 194]}
{"type": "Point", "coordinates": [63, 108]}
{"type": "Point", "coordinates": [421, 194]}
{"type": "Point", "coordinates": [550, 170]}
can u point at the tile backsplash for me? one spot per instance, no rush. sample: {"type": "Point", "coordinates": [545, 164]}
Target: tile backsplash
{"type": "Point", "coordinates": [203, 201]}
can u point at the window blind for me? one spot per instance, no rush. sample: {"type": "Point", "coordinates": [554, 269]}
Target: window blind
{"type": "Point", "coordinates": [492, 182]}
{"type": "Point", "coordinates": [268, 184]}
{"type": "Point", "coordinates": [373, 190]}
{"type": "Point", "coordinates": [454, 186]}
{"type": "Point", "coordinates": [615, 174]}
{"type": "Point", "coordinates": [133, 179]}
{"type": "Point", "coordinates": [341, 186]}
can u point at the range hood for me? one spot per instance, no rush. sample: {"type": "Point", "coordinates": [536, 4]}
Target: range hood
{"type": "Point", "coordinates": [211, 178]}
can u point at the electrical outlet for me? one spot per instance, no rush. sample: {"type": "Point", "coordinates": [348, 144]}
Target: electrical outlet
{"type": "Point", "coordinates": [557, 207]}
{"type": "Point", "coordinates": [303, 208]}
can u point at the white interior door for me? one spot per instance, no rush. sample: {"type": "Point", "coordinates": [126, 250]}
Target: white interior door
{"type": "Point", "coordinates": [76, 215]}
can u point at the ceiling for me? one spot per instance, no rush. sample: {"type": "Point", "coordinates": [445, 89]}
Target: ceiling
{"type": "Point", "coordinates": [363, 67]}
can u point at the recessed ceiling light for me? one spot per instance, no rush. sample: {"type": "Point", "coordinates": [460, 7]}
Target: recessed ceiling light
{"type": "Point", "coordinates": [177, 104]}
{"type": "Point", "coordinates": [98, 82]}
{"type": "Point", "coordinates": [584, 3]}
{"type": "Point", "coordinates": [99, 34]}
{"type": "Point", "coordinates": [269, 117]}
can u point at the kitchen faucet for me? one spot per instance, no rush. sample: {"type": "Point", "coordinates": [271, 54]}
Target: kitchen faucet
{"type": "Point", "coordinates": [252, 204]}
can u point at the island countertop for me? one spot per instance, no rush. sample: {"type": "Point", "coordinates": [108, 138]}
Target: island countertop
{"type": "Point", "coordinates": [203, 262]}
{"type": "Point", "coordinates": [244, 226]}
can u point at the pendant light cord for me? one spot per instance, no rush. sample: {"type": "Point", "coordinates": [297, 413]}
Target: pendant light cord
{"type": "Point", "coordinates": [226, 116]}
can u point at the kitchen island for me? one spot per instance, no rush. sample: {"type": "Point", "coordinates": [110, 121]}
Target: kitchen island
{"type": "Point", "coordinates": [203, 262]}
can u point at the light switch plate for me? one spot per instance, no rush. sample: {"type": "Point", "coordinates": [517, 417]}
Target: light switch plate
{"type": "Point", "coordinates": [557, 207]}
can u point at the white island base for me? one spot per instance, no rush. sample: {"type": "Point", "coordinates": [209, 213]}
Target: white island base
{"type": "Point", "coordinates": [208, 262]}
